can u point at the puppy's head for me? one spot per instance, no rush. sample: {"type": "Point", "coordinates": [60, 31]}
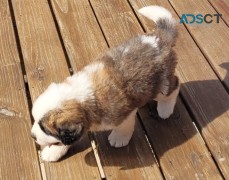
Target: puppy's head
{"type": "Point", "coordinates": [65, 124]}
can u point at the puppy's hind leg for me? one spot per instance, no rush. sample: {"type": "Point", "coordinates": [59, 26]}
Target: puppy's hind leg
{"type": "Point", "coordinates": [121, 135]}
{"type": "Point", "coordinates": [166, 104]}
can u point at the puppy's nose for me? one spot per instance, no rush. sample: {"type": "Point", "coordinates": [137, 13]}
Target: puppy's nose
{"type": "Point", "coordinates": [33, 136]}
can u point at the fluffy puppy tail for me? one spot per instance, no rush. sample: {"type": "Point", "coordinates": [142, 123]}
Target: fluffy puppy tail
{"type": "Point", "coordinates": [165, 23]}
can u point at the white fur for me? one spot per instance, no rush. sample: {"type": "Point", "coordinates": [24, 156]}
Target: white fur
{"type": "Point", "coordinates": [152, 40]}
{"type": "Point", "coordinates": [78, 86]}
{"type": "Point", "coordinates": [166, 104]}
{"type": "Point", "coordinates": [155, 13]}
{"type": "Point", "coordinates": [126, 50]}
{"type": "Point", "coordinates": [121, 135]}
{"type": "Point", "coordinates": [54, 152]}
{"type": "Point", "coordinates": [94, 67]}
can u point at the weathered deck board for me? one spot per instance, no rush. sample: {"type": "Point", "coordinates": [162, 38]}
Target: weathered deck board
{"type": "Point", "coordinates": [135, 161]}
{"type": "Point", "coordinates": [118, 24]}
{"type": "Point", "coordinates": [18, 157]}
{"type": "Point", "coordinates": [208, 101]}
{"type": "Point", "coordinates": [202, 91]}
{"type": "Point", "coordinates": [92, 40]}
{"type": "Point", "coordinates": [178, 144]}
{"type": "Point", "coordinates": [117, 20]}
{"type": "Point", "coordinates": [44, 63]}
{"type": "Point", "coordinates": [212, 39]}
{"type": "Point", "coordinates": [80, 31]}
{"type": "Point", "coordinates": [222, 7]}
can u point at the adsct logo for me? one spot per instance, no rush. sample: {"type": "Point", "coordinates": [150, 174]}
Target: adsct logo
{"type": "Point", "coordinates": [200, 18]}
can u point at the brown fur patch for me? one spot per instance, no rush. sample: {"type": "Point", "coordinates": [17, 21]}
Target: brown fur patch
{"type": "Point", "coordinates": [134, 73]}
{"type": "Point", "coordinates": [112, 103]}
{"type": "Point", "coordinates": [68, 117]}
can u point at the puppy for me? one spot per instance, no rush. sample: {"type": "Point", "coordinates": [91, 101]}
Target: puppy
{"type": "Point", "coordinates": [106, 94]}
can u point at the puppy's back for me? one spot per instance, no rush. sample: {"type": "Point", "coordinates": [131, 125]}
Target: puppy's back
{"type": "Point", "coordinates": [147, 62]}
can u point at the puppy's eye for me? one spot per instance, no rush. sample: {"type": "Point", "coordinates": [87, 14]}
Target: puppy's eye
{"type": "Point", "coordinates": [44, 128]}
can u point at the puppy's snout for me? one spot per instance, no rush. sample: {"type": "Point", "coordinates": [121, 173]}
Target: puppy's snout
{"type": "Point", "coordinates": [33, 136]}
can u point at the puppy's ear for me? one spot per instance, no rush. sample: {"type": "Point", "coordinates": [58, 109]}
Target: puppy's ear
{"type": "Point", "coordinates": [66, 123]}
{"type": "Point", "coordinates": [70, 134]}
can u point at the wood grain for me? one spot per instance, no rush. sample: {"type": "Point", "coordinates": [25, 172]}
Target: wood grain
{"type": "Point", "coordinates": [178, 145]}
{"type": "Point", "coordinates": [212, 39]}
{"type": "Point", "coordinates": [135, 161]}
{"type": "Point", "coordinates": [222, 7]}
{"type": "Point", "coordinates": [117, 28]}
{"type": "Point", "coordinates": [18, 157]}
{"type": "Point", "coordinates": [117, 20]}
{"type": "Point", "coordinates": [204, 94]}
{"type": "Point", "coordinates": [117, 164]}
{"type": "Point", "coordinates": [45, 63]}
{"type": "Point", "coordinates": [80, 31]}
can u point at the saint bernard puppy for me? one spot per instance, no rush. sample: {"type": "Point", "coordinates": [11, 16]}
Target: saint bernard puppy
{"type": "Point", "coordinates": [106, 94]}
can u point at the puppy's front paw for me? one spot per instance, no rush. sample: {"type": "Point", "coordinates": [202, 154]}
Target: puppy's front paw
{"type": "Point", "coordinates": [53, 153]}
{"type": "Point", "coordinates": [118, 140]}
{"type": "Point", "coordinates": [165, 110]}
{"type": "Point", "coordinates": [164, 114]}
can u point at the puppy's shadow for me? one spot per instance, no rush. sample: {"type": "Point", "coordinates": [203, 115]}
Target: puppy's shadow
{"type": "Point", "coordinates": [128, 157]}
{"type": "Point", "coordinates": [205, 100]}
{"type": "Point", "coordinates": [79, 147]}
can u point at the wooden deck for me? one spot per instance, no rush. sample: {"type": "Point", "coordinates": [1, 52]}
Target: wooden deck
{"type": "Point", "coordinates": [42, 41]}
